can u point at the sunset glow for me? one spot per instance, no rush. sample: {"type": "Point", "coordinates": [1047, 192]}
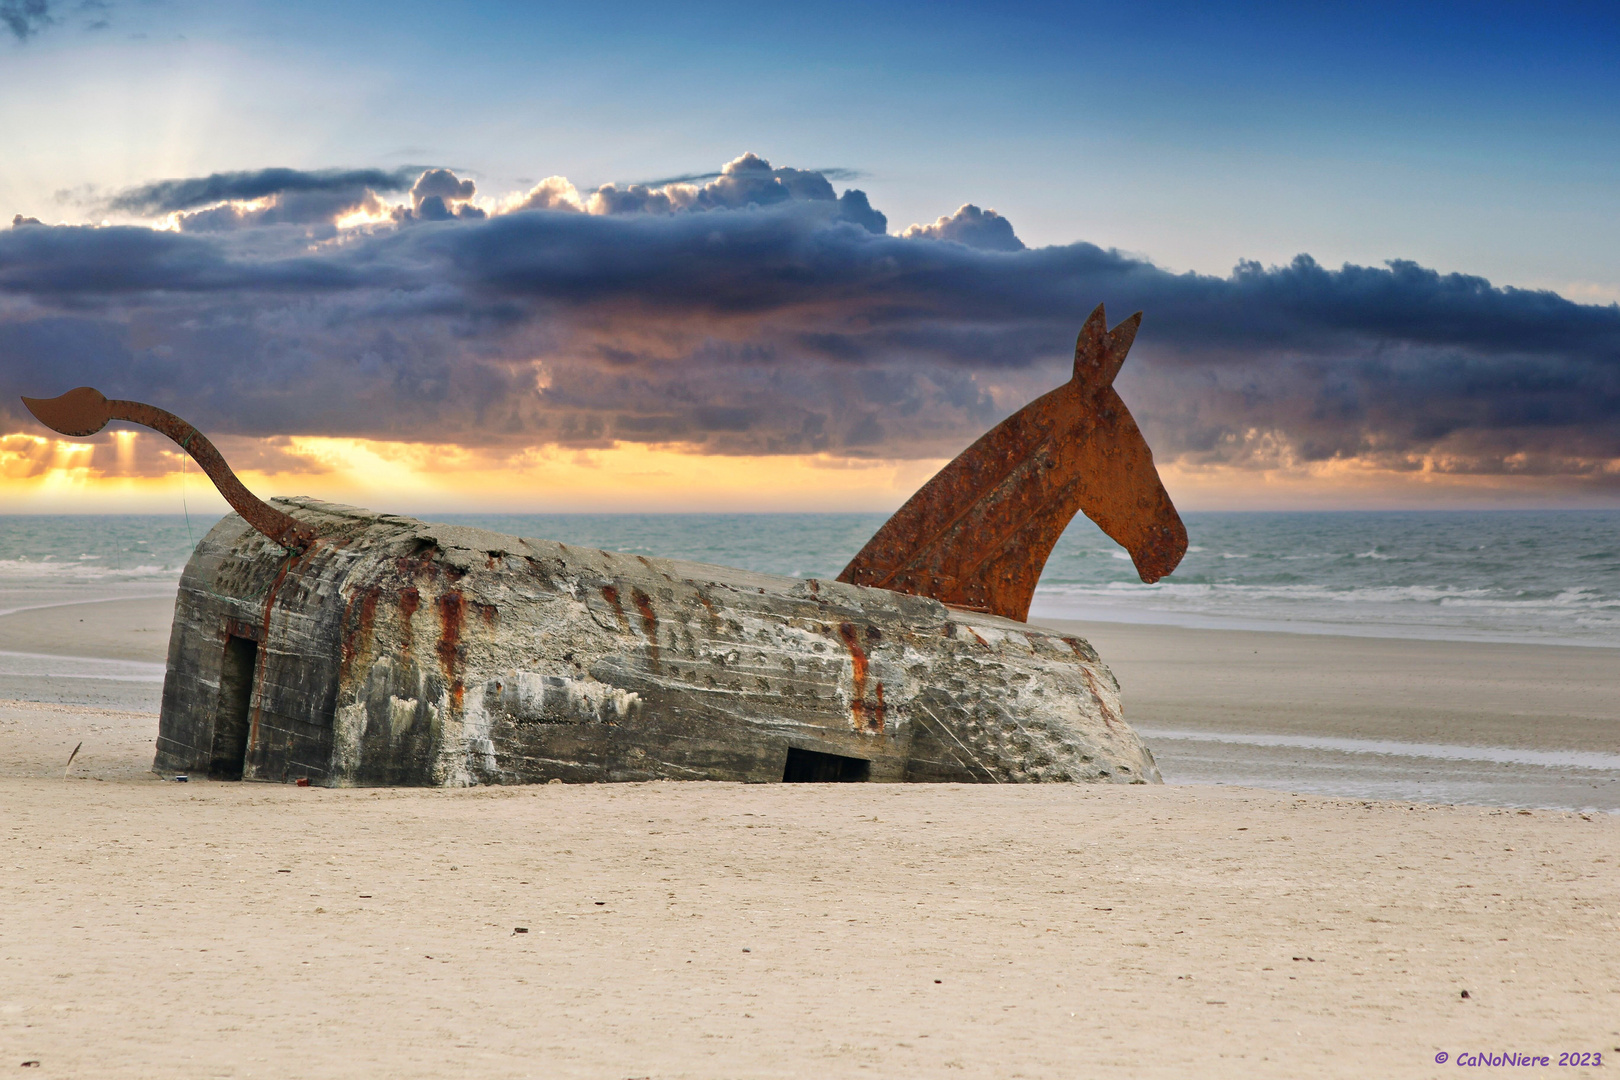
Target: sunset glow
{"type": "Point", "coordinates": [1365, 280]}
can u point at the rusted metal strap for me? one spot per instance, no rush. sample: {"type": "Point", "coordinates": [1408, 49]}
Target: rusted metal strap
{"type": "Point", "coordinates": [85, 411]}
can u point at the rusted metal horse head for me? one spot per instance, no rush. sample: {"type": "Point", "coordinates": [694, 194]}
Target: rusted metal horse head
{"type": "Point", "coordinates": [978, 533]}
{"type": "Point", "coordinates": [975, 536]}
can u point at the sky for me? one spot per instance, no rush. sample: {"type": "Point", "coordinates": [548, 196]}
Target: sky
{"type": "Point", "coordinates": [718, 257]}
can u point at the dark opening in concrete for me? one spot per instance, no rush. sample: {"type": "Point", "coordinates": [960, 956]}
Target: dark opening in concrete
{"type": "Point", "coordinates": [813, 767]}
{"type": "Point", "coordinates": [231, 719]}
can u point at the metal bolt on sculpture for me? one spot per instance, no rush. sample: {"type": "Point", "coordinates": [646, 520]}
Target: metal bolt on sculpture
{"type": "Point", "coordinates": [363, 648]}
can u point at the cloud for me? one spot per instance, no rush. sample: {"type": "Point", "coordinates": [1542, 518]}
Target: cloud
{"type": "Point", "coordinates": [440, 195]}
{"type": "Point", "coordinates": [169, 196]}
{"type": "Point", "coordinates": [747, 182]}
{"type": "Point", "coordinates": [316, 201]}
{"type": "Point", "coordinates": [983, 229]}
{"type": "Point", "coordinates": [552, 193]}
{"type": "Point", "coordinates": [759, 314]}
{"type": "Point", "coordinates": [25, 18]}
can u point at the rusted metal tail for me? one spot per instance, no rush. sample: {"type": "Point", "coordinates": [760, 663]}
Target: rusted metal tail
{"type": "Point", "coordinates": [84, 411]}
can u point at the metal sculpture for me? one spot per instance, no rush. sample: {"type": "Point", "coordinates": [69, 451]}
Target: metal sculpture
{"type": "Point", "coordinates": [978, 534]}
{"type": "Point", "coordinates": [84, 411]}
{"type": "Point", "coordinates": [367, 648]}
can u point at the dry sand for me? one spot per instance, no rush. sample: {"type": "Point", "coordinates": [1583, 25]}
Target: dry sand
{"type": "Point", "coordinates": [149, 928]}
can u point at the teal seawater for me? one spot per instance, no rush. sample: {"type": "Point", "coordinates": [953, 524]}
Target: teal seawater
{"type": "Point", "coordinates": [1549, 577]}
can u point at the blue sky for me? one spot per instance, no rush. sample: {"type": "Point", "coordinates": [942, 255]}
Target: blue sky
{"type": "Point", "coordinates": [1477, 140]}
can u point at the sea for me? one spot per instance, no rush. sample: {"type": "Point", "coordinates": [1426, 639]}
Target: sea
{"type": "Point", "coordinates": [1529, 577]}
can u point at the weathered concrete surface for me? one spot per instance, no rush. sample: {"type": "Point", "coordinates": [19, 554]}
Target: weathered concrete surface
{"type": "Point", "coordinates": [399, 652]}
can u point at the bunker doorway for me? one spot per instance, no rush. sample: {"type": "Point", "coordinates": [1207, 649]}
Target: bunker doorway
{"type": "Point", "coordinates": [232, 717]}
{"type": "Point", "coordinates": [814, 767]}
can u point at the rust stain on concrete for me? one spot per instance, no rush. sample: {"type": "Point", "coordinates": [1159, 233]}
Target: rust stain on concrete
{"type": "Point", "coordinates": [409, 601]}
{"type": "Point", "coordinates": [864, 721]}
{"type": "Point", "coordinates": [358, 635]}
{"type": "Point", "coordinates": [649, 623]}
{"type": "Point", "coordinates": [452, 614]}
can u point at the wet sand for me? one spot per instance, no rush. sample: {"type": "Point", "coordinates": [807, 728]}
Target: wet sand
{"type": "Point", "coordinates": [1532, 696]}
{"type": "Point", "coordinates": [126, 629]}
{"type": "Point", "coordinates": [107, 654]}
{"type": "Point", "coordinates": [1441, 721]}
{"type": "Point", "coordinates": [149, 928]}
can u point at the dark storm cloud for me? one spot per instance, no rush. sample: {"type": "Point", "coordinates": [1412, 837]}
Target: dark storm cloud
{"type": "Point", "coordinates": [84, 266]}
{"type": "Point", "coordinates": [25, 18]}
{"type": "Point", "coordinates": [168, 196]}
{"type": "Point", "coordinates": [758, 314]}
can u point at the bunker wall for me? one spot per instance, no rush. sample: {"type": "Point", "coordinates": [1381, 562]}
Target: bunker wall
{"type": "Point", "coordinates": [396, 652]}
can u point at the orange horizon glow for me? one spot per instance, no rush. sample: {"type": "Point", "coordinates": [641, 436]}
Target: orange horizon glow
{"type": "Point", "coordinates": [134, 472]}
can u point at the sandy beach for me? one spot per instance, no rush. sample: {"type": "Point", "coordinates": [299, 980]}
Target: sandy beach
{"type": "Point", "coordinates": [1441, 721]}
{"type": "Point", "coordinates": [149, 928]}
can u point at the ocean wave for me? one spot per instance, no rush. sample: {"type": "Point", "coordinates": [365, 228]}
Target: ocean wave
{"type": "Point", "coordinates": [18, 570]}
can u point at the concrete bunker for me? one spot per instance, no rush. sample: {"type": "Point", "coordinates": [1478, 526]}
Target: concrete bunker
{"type": "Point", "coordinates": [397, 652]}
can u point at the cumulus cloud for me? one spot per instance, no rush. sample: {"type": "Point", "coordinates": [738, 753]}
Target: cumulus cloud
{"type": "Point", "coordinates": [982, 229]}
{"type": "Point", "coordinates": [552, 193]}
{"type": "Point", "coordinates": [440, 195]}
{"type": "Point", "coordinates": [747, 182]}
{"type": "Point", "coordinates": [754, 314]}
{"type": "Point", "coordinates": [317, 202]}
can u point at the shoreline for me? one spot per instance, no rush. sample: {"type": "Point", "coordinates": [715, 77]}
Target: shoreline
{"type": "Point", "coordinates": [1299, 628]}
{"type": "Point", "coordinates": [1334, 715]}
{"type": "Point", "coordinates": [1552, 697]}
{"type": "Point", "coordinates": [1386, 718]}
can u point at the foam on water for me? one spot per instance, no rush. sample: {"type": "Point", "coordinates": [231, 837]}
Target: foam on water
{"type": "Point", "coordinates": [68, 558]}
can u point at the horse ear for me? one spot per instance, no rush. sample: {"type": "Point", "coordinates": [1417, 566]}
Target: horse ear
{"type": "Point", "coordinates": [1099, 352]}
